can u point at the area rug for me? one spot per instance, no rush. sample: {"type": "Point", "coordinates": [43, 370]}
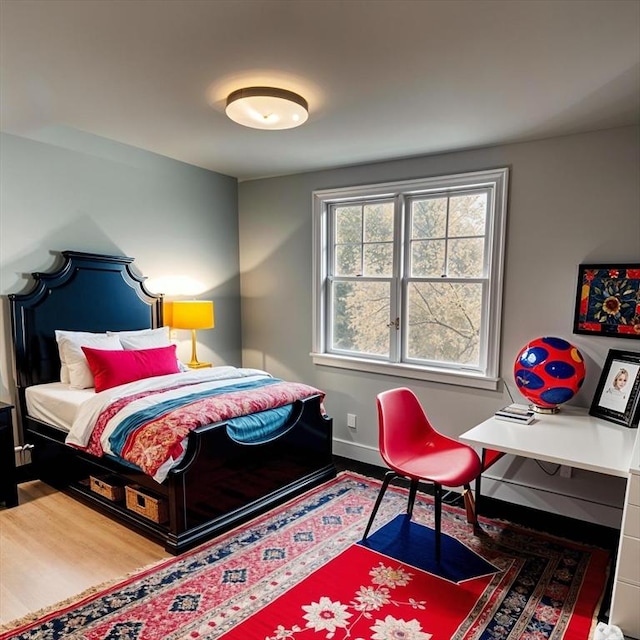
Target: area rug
{"type": "Point", "coordinates": [301, 572]}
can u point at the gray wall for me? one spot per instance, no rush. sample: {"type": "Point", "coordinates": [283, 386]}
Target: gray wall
{"type": "Point", "coordinates": [572, 200]}
{"type": "Point", "coordinates": [90, 194]}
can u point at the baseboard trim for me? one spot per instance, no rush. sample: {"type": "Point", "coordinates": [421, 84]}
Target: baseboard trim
{"type": "Point", "coordinates": [359, 452]}
{"type": "Point", "coordinates": [547, 501]}
{"type": "Point", "coordinates": [508, 490]}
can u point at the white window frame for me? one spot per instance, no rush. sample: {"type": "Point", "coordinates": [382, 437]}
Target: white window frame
{"type": "Point", "coordinates": [486, 376]}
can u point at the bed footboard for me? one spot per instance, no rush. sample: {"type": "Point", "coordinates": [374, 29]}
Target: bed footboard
{"type": "Point", "coordinates": [222, 482]}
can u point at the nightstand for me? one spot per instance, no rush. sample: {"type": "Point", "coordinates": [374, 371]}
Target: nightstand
{"type": "Point", "coordinates": [8, 480]}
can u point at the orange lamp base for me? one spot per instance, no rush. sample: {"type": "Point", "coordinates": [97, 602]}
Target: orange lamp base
{"type": "Point", "coordinates": [199, 365]}
{"type": "Point", "coordinates": [195, 363]}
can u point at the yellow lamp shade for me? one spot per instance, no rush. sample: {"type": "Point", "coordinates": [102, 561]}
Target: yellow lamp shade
{"type": "Point", "coordinates": [167, 313]}
{"type": "Point", "coordinates": [191, 314]}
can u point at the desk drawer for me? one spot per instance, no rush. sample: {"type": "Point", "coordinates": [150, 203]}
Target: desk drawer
{"type": "Point", "coordinates": [629, 561]}
{"type": "Point", "coordinates": [632, 521]}
{"type": "Point", "coordinates": [625, 612]}
{"type": "Point", "coordinates": [634, 489]}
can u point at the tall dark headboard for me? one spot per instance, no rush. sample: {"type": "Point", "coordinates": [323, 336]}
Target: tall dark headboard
{"type": "Point", "coordinates": [91, 292]}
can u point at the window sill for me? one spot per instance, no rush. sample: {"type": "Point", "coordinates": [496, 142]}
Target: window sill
{"type": "Point", "coordinates": [461, 378]}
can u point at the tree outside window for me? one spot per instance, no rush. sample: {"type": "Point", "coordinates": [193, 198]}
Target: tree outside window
{"type": "Point", "coordinates": [410, 274]}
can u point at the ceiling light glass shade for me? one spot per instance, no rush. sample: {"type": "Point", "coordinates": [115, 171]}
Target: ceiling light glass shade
{"type": "Point", "coordinates": [267, 108]}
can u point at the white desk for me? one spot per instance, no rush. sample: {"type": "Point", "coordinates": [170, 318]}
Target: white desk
{"type": "Point", "coordinates": [571, 437]}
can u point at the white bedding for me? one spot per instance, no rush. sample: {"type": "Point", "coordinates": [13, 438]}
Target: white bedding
{"type": "Point", "coordinates": [56, 403]}
{"type": "Point", "coordinates": [77, 410]}
{"type": "Point", "coordinates": [200, 379]}
{"type": "Point", "coordinates": [82, 427]}
{"type": "Point", "coordinates": [60, 404]}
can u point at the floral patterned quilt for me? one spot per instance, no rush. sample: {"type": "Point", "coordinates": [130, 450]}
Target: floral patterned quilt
{"type": "Point", "coordinates": [146, 423]}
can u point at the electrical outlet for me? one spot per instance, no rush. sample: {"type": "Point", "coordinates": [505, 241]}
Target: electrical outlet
{"type": "Point", "coordinates": [352, 420]}
{"type": "Point", "coordinates": [565, 471]}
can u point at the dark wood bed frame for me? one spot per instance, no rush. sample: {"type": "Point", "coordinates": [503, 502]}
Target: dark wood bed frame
{"type": "Point", "coordinates": [220, 483]}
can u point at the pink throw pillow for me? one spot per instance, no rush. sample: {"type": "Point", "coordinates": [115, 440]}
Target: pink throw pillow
{"type": "Point", "coordinates": [113, 368]}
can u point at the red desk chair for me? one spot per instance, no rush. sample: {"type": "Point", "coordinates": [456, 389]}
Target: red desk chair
{"type": "Point", "coordinates": [413, 449]}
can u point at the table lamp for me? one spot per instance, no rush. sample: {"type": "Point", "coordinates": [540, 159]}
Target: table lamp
{"type": "Point", "coordinates": [193, 315]}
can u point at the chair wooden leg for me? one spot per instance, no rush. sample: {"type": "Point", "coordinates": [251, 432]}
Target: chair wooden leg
{"type": "Point", "coordinates": [413, 489]}
{"type": "Point", "coordinates": [469, 505]}
{"type": "Point", "coordinates": [437, 490]}
{"type": "Point", "coordinates": [389, 476]}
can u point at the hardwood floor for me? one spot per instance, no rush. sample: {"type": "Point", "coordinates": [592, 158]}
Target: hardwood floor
{"type": "Point", "coordinates": [53, 547]}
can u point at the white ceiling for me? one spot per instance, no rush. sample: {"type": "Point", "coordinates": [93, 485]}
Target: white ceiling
{"type": "Point", "coordinates": [384, 78]}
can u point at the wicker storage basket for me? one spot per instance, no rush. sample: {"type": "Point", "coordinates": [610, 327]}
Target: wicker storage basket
{"type": "Point", "coordinates": [109, 487]}
{"type": "Point", "coordinates": [145, 504]}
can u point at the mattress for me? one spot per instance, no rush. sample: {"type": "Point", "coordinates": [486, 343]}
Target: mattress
{"type": "Point", "coordinates": [55, 403]}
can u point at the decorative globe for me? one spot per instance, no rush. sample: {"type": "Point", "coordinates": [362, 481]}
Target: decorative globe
{"type": "Point", "coordinates": [548, 372]}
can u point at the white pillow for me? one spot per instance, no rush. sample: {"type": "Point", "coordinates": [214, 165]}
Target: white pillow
{"type": "Point", "coordinates": [146, 339]}
{"type": "Point", "coordinates": [143, 339]}
{"type": "Point", "coordinates": [64, 369]}
{"type": "Point", "coordinates": [72, 358]}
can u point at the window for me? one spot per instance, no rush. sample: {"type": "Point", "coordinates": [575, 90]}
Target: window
{"type": "Point", "coordinates": [408, 277]}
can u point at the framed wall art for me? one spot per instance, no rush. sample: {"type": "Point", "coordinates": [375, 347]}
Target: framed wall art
{"type": "Point", "coordinates": [608, 300]}
{"type": "Point", "coordinates": [618, 393]}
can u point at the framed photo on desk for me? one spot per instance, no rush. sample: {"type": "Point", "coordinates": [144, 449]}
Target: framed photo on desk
{"type": "Point", "coordinates": [617, 396]}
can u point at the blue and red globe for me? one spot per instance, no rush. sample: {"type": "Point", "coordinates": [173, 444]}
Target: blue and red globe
{"type": "Point", "coordinates": [548, 372]}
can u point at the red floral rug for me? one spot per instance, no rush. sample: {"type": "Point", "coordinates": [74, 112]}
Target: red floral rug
{"type": "Point", "coordinates": [298, 573]}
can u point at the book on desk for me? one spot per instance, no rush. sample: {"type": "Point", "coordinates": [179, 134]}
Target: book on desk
{"type": "Point", "coordinates": [519, 413]}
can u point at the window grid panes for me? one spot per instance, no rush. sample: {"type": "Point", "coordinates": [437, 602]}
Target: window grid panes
{"type": "Point", "coordinates": [414, 277]}
{"type": "Point", "coordinates": [363, 239]}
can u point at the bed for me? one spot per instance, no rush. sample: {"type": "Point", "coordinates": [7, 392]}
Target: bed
{"type": "Point", "coordinates": [216, 479]}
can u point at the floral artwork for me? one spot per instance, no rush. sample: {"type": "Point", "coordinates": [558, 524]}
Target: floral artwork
{"type": "Point", "coordinates": [608, 301]}
{"type": "Point", "coordinates": [357, 620]}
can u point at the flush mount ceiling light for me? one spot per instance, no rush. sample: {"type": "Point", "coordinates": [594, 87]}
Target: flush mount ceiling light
{"type": "Point", "coordinates": [267, 108]}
